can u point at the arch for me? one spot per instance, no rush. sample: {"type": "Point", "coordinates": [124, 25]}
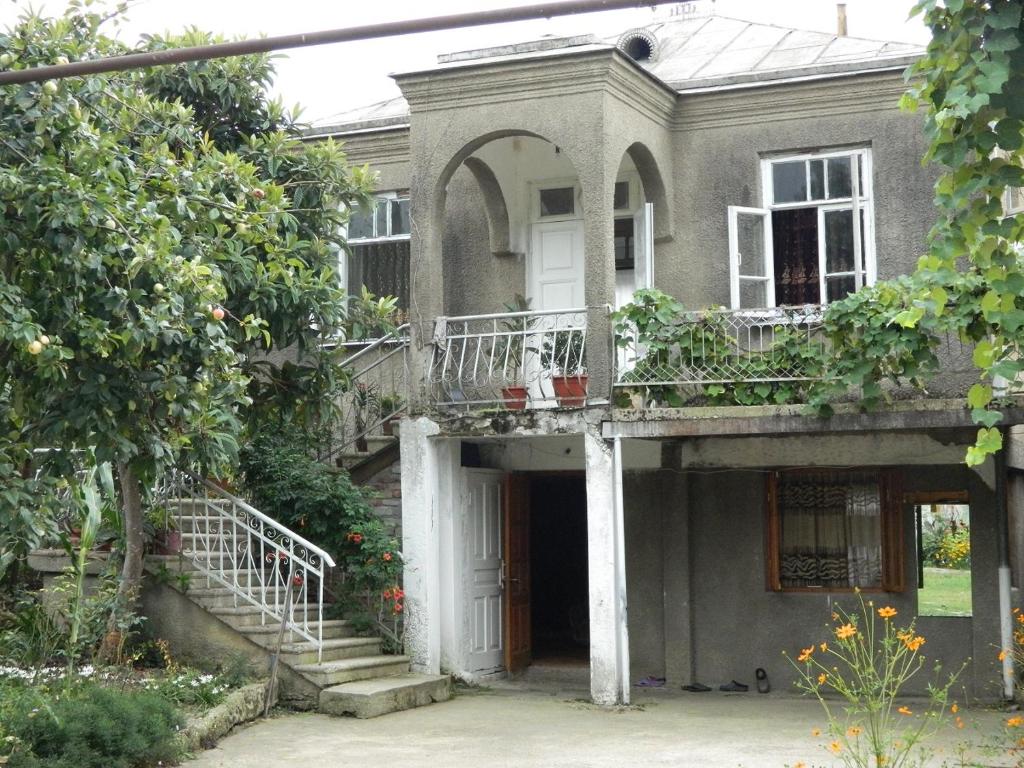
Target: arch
{"type": "Point", "coordinates": [494, 205]}
{"type": "Point", "coordinates": [654, 188]}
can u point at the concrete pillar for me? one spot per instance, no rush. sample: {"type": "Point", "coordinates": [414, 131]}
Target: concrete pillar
{"type": "Point", "coordinates": [678, 606]}
{"type": "Point", "coordinates": [609, 642]}
{"type": "Point", "coordinates": [598, 185]}
{"type": "Point", "coordinates": [421, 546]}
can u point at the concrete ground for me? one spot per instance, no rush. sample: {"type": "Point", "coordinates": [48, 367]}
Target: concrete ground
{"type": "Point", "coordinates": [511, 726]}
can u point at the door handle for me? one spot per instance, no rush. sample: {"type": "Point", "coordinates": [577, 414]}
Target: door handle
{"type": "Point", "coordinates": [501, 575]}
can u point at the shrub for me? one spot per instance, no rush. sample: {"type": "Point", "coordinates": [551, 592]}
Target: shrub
{"type": "Point", "coordinates": [90, 727]}
{"type": "Point", "coordinates": [326, 507]}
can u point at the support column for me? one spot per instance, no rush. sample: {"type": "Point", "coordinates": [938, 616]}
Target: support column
{"type": "Point", "coordinates": [609, 639]}
{"type": "Point", "coordinates": [598, 187]}
{"type": "Point", "coordinates": [421, 546]}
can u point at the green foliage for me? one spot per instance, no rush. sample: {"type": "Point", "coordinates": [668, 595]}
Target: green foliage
{"type": "Point", "coordinates": [89, 727]}
{"type": "Point", "coordinates": [324, 506]}
{"type": "Point", "coordinates": [970, 83]}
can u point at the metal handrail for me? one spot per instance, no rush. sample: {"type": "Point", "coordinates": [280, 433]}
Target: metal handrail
{"type": "Point", "coordinates": [235, 545]}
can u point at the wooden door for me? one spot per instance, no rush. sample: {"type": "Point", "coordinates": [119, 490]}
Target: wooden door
{"type": "Point", "coordinates": [518, 633]}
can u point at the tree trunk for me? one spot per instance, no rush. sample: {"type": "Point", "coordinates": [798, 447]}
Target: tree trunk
{"type": "Point", "coordinates": [130, 586]}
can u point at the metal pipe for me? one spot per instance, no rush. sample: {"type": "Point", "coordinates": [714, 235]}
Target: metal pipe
{"type": "Point", "coordinates": [1003, 545]}
{"type": "Point", "coordinates": [322, 37]}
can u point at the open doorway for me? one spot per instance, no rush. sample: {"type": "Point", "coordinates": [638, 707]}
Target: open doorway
{"type": "Point", "coordinates": [942, 523]}
{"type": "Point", "coordinates": [559, 610]}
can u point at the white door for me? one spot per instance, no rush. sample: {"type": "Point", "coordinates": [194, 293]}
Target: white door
{"type": "Point", "coordinates": [486, 590]}
{"type": "Point", "coordinates": [557, 265]}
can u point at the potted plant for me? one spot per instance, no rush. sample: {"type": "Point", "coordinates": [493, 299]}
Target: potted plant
{"type": "Point", "coordinates": [564, 357]}
{"type": "Point", "coordinates": [390, 407]}
{"type": "Point", "coordinates": [507, 353]}
{"type": "Point", "coordinates": [164, 530]}
{"type": "Point", "coordinates": [366, 400]}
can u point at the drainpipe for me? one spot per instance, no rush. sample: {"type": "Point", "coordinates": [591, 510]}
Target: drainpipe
{"type": "Point", "coordinates": [1003, 544]}
{"type": "Point", "coordinates": [622, 631]}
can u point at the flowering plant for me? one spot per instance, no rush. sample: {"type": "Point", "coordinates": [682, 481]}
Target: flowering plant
{"type": "Point", "coordinates": [867, 661]}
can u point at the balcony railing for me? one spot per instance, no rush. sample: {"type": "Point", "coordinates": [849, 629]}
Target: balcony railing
{"type": "Point", "coordinates": [721, 346]}
{"type": "Point", "coordinates": [512, 360]}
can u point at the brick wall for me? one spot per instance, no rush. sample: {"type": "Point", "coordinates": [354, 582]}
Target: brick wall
{"type": "Point", "coordinates": [385, 489]}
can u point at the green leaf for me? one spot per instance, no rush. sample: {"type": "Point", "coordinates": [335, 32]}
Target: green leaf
{"type": "Point", "coordinates": [979, 396]}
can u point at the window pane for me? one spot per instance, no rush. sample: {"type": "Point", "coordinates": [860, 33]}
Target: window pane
{"type": "Point", "coordinates": [360, 225]}
{"type": "Point", "coordinates": [838, 241]}
{"type": "Point", "coordinates": [840, 287]}
{"type": "Point", "coordinates": [795, 245]}
{"type": "Point", "coordinates": [400, 217]}
{"type": "Point", "coordinates": [381, 218]}
{"type": "Point", "coordinates": [839, 177]}
{"type": "Point", "coordinates": [557, 202]}
{"type": "Point", "coordinates": [753, 294]}
{"type": "Point", "coordinates": [789, 181]}
{"type": "Point", "coordinates": [817, 179]}
{"type": "Point", "coordinates": [624, 248]}
{"type": "Point", "coordinates": [383, 268]}
{"type": "Point", "coordinates": [622, 196]}
{"type": "Point", "coordinates": [751, 244]}
{"type": "Point", "coordinates": [831, 529]}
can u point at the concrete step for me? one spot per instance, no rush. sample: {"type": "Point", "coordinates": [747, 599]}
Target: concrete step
{"type": "Point", "coordinates": [242, 616]}
{"type": "Point", "coordinates": [345, 671]}
{"type": "Point", "coordinates": [266, 634]}
{"type": "Point", "coordinates": [304, 652]}
{"type": "Point", "coordinates": [381, 696]}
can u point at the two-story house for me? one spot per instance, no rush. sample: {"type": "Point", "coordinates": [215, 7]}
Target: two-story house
{"type": "Point", "coordinates": [553, 509]}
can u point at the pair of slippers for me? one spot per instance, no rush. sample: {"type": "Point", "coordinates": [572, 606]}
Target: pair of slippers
{"type": "Point", "coordinates": [763, 686]}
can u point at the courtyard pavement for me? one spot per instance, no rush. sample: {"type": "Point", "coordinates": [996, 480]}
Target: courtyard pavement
{"type": "Point", "coordinates": [507, 726]}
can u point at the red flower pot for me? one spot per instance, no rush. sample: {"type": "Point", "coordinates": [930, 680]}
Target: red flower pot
{"type": "Point", "coordinates": [515, 398]}
{"type": "Point", "coordinates": [571, 391]}
{"type": "Point", "coordinates": [169, 542]}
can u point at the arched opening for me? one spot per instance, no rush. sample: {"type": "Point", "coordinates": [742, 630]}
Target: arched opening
{"type": "Point", "coordinates": [639, 204]}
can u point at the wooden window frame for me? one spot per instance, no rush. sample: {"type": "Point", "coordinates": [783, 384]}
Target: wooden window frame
{"type": "Point", "coordinates": [893, 546]}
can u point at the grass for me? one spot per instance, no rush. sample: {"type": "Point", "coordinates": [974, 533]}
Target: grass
{"type": "Point", "coordinates": [947, 592]}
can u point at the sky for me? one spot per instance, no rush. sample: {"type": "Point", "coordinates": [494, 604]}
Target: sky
{"type": "Point", "coordinates": [329, 80]}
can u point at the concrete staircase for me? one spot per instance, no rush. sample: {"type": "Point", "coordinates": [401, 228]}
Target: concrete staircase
{"type": "Point", "coordinates": [348, 676]}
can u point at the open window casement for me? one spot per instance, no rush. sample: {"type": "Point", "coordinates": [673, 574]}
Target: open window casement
{"type": "Point", "coordinates": [643, 226]}
{"type": "Point", "coordinates": [751, 276]}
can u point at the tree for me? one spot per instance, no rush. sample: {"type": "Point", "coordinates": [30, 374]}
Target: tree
{"type": "Point", "coordinates": [146, 260]}
{"type": "Point", "coordinates": [971, 281]}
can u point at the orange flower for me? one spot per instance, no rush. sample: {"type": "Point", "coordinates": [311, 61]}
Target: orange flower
{"type": "Point", "coordinates": [799, 765]}
{"type": "Point", "coordinates": [1015, 722]}
{"type": "Point", "coordinates": [835, 616]}
{"type": "Point", "coordinates": [955, 708]}
{"type": "Point", "coordinates": [822, 678]}
{"type": "Point", "coordinates": [805, 654]}
{"type": "Point", "coordinates": [904, 711]}
{"type": "Point", "coordinates": [959, 722]}
{"type": "Point", "coordinates": [836, 747]}
{"type": "Point", "coordinates": [823, 647]}
{"type": "Point", "coordinates": [386, 556]}
{"type": "Point", "coordinates": [887, 613]}
{"type": "Point", "coordinates": [816, 732]}
{"type": "Point", "coordinates": [846, 631]}
{"type": "Point", "coordinates": [1002, 656]}
{"type": "Point", "coordinates": [854, 730]}
{"type": "Point", "coordinates": [913, 643]}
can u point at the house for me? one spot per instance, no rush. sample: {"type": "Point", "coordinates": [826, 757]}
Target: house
{"type": "Point", "coordinates": [762, 170]}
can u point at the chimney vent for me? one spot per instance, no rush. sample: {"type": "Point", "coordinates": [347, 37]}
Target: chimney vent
{"type": "Point", "coordinates": [841, 19]}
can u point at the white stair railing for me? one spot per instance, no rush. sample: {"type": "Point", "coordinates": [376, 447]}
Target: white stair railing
{"type": "Point", "coordinates": [234, 545]}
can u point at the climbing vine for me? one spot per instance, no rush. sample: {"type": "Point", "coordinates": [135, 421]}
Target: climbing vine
{"type": "Point", "coordinates": [971, 83]}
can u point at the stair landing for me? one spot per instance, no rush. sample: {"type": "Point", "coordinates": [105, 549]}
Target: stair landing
{"type": "Point", "coordinates": [381, 695]}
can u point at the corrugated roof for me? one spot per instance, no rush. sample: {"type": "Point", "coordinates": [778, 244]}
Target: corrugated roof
{"type": "Point", "coordinates": [696, 53]}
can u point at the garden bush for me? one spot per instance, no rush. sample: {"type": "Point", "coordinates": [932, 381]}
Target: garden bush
{"type": "Point", "coordinates": [287, 483]}
{"type": "Point", "coordinates": [88, 727]}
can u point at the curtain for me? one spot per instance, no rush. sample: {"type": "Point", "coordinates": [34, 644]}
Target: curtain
{"type": "Point", "coordinates": [795, 246]}
{"type": "Point", "coordinates": [831, 529]}
{"type": "Point", "coordinates": [383, 267]}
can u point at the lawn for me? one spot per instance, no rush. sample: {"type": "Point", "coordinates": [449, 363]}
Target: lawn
{"type": "Point", "coordinates": [947, 592]}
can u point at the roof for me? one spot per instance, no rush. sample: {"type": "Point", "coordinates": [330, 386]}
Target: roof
{"type": "Point", "coordinates": [691, 54]}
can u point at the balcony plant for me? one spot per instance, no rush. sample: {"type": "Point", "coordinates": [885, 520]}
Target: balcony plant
{"type": "Point", "coordinates": [508, 351]}
{"type": "Point", "coordinates": [366, 403]}
{"type": "Point", "coordinates": [163, 528]}
{"type": "Point", "coordinates": [563, 355]}
{"type": "Point", "coordinates": [389, 407]}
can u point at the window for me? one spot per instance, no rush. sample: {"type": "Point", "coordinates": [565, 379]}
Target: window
{"type": "Point", "coordinates": [802, 247]}
{"type": "Point", "coordinates": [834, 530]}
{"type": "Point", "coordinates": [558, 201]}
{"type": "Point", "coordinates": [378, 244]}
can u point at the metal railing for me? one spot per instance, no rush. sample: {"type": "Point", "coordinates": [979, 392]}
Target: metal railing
{"type": "Point", "coordinates": [377, 393]}
{"type": "Point", "coordinates": [724, 346]}
{"type": "Point", "coordinates": [515, 360]}
{"type": "Point", "coordinates": [234, 545]}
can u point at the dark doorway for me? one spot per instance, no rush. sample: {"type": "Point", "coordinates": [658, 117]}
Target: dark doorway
{"type": "Point", "coordinates": [560, 615]}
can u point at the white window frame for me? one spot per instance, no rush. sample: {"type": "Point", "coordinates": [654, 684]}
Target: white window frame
{"type": "Point", "coordinates": [861, 202]}
{"type": "Point", "coordinates": [377, 196]}
{"type": "Point", "coordinates": [535, 188]}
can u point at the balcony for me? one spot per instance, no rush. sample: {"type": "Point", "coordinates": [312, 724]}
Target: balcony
{"type": "Point", "coordinates": [704, 352]}
{"type": "Point", "coordinates": [512, 360]}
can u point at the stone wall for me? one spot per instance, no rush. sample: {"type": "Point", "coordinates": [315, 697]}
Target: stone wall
{"type": "Point", "coordinates": [385, 491]}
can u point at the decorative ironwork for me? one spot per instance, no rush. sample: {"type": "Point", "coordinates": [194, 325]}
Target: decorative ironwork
{"type": "Point", "coordinates": [515, 360]}
{"type": "Point", "coordinates": [234, 545]}
{"type": "Point", "coordinates": [723, 346]}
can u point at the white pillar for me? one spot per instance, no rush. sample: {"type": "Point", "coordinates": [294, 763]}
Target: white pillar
{"type": "Point", "coordinates": [421, 544]}
{"type": "Point", "coordinates": [609, 640]}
